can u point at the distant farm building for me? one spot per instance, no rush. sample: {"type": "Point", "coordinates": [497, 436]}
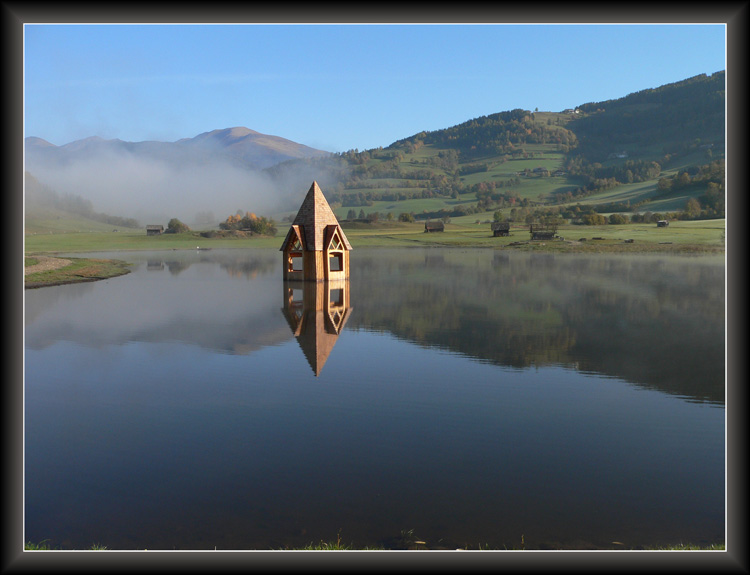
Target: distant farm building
{"type": "Point", "coordinates": [622, 154]}
{"type": "Point", "coordinates": [434, 227]}
{"type": "Point", "coordinates": [500, 229]}
{"type": "Point", "coordinates": [315, 248]}
{"type": "Point", "coordinates": [542, 231]}
{"type": "Point", "coordinates": [662, 223]}
{"type": "Point", "coordinates": [154, 230]}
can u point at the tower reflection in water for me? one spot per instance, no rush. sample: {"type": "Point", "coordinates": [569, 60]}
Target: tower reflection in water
{"type": "Point", "coordinates": [316, 313]}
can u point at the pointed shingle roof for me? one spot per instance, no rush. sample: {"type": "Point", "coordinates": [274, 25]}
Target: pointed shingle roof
{"type": "Point", "coordinates": [313, 217]}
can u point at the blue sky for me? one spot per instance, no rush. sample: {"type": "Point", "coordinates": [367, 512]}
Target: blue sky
{"type": "Point", "coordinates": [337, 87]}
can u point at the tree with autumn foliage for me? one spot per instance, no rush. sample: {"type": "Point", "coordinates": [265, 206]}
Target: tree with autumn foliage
{"type": "Point", "coordinates": [249, 222]}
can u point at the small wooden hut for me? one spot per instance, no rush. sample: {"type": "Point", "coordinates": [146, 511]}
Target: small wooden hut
{"type": "Point", "coordinates": [542, 231]}
{"type": "Point", "coordinates": [316, 248]}
{"type": "Point", "coordinates": [500, 229]}
{"type": "Point", "coordinates": [154, 230]}
{"type": "Point", "coordinates": [434, 227]}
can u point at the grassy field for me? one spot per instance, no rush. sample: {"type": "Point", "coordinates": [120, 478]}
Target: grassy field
{"type": "Point", "coordinates": [43, 220]}
{"type": "Point", "coordinates": [699, 235]}
{"type": "Point", "coordinates": [135, 240]}
{"type": "Point", "coordinates": [692, 236]}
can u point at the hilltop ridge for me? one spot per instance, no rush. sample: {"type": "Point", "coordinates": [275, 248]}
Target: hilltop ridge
{"type": "Point", "coordinates": [253, 149]}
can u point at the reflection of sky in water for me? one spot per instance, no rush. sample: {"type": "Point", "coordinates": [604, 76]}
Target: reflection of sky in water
{"type": "Point", "coordinates": [197, 305]}
{"type": "Point", "coordinates": [161, 430]}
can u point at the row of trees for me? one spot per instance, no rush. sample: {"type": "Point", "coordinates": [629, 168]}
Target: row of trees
{"type": "Point", "coordinates": [582, 215]}
{"type": "Point", "coordinates": [587, 215]}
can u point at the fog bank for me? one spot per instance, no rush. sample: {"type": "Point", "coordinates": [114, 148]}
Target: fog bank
{"type": "Point", "coordinates": [152, 190]}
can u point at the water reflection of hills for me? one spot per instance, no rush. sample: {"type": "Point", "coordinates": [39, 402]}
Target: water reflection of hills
{"type": "Point", "coordinates": [236, 265]}
{"type": "Point", "coordinates": [656, 321]}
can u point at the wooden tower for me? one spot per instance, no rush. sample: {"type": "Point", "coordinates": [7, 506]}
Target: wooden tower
{"type": "Point", "coordinates": [316, 248]}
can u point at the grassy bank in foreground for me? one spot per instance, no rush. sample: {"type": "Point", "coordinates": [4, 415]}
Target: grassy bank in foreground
{"type": "Point", "coordinates": [338, 545]}
{"type": "Point", "coordinates": [71, 270]}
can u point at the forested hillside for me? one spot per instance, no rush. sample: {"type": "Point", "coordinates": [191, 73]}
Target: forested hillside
{"type": "Point", "coordinates": [615, 156]}
{"type": "Point", "coordinates": [668, 120]}
{"type": "Point", "coordinates": [489, 136]}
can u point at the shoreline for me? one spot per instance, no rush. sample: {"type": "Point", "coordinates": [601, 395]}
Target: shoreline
{"type": "Point", "coordinates": [47, 271]}
{"type": "Point", "coordinates": [50, 270]}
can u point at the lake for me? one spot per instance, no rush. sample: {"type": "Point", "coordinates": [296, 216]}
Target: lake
{"type": "Point", "coordinates": [455, 397]}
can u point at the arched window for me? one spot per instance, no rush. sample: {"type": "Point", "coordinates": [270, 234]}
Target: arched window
{"type": "Point", "coordinates": [335, 253]}
{"type": "Point", "coordinates": [293, 251]}
{"type": "Point", "coordinates": [295, 257]}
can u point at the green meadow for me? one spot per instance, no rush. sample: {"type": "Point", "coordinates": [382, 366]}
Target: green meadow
{"type": "Point", "coordinates": [695, 235]}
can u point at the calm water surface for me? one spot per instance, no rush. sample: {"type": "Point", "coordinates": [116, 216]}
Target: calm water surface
{"type": "Point", "coordinates": [471, 397]}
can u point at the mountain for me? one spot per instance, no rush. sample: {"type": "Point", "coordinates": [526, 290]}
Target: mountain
{"type": "Point", "coordinates": [219, 171]}
{"type": "Point", "coordinates": [241, 146]}
{"type": "Point", "coordinates": [250, 147]}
